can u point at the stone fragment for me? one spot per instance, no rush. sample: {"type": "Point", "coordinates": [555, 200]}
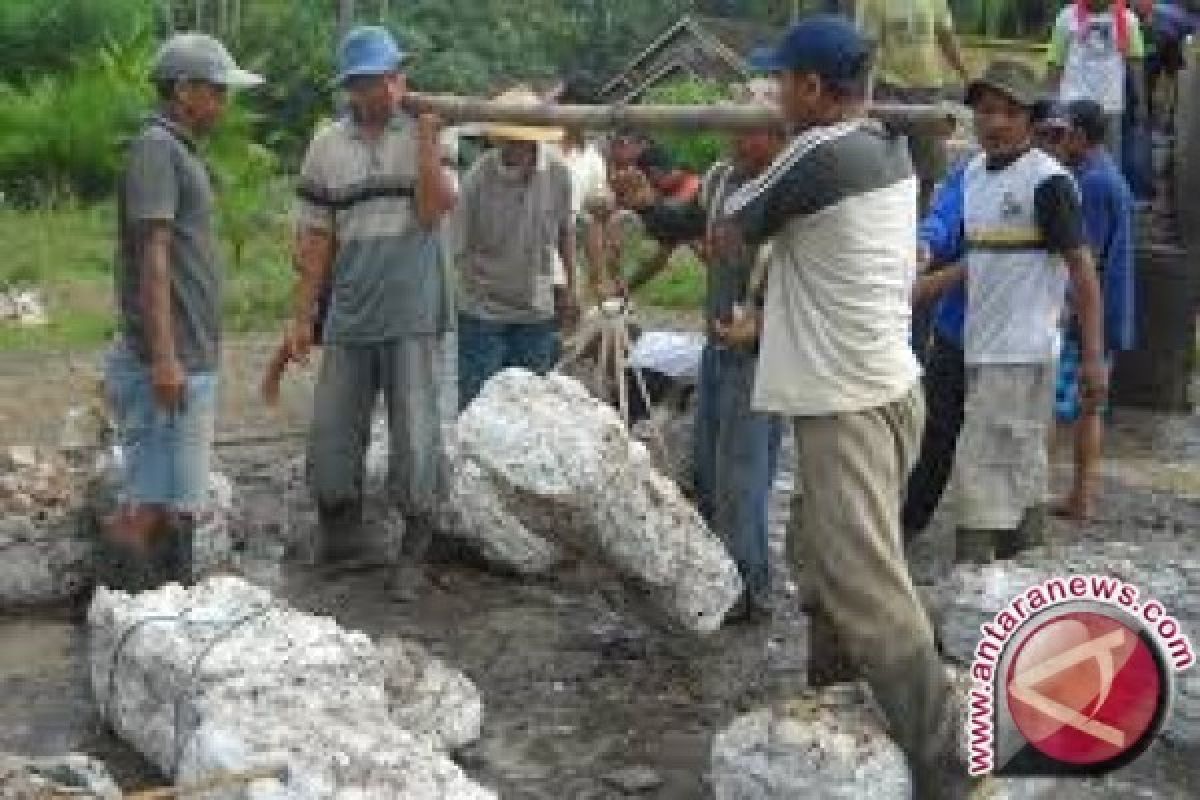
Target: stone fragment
{"type": "Point", "coordinates": [428, 698]}
{"type": "Point", "coordinates": [42, 561]}
{"type": "Point", "coordinates": [476, 514]}
{"type": "Point", "coordinates": [812, 752]}
{"type": "Point", "coordinates": [566, 467]}
{"type": "Point", "coordinates": [72, 775]}
{"type": "Point", "coordinates": [224, 677]}
{"type": "Point", "coordinates": [634, 780]}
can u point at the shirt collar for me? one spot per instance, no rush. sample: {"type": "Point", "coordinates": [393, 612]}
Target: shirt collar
{"type": "Point", "coordinates": [399, 121]}
{"type": "Point", "coordinates": [1001, 162]}
{"type": "Point", "coordinates": [174, 128]}
{"type": "Point", "coordinates": [540, 164]}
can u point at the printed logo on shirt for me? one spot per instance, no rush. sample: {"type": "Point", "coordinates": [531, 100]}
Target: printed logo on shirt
{"type": "Point", "coordinates": [1010, 207]}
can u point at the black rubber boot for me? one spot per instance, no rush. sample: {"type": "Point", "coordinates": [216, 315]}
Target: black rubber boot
{"type": "Point", "coordinates": [1029, 534]}
{"type": "Point", "coordinates": [340, 532]}
{"type": "Point", "coordinates": [175, 556]}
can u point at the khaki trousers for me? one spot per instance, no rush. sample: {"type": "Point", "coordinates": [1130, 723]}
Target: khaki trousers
{"type": "Point", "coordinates": [852, 471]}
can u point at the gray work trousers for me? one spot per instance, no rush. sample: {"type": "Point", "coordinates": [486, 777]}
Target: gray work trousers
{"type": "Point", "coordinates": [348, 386]}
{"type": "Point", "coordinates": [851, 473]}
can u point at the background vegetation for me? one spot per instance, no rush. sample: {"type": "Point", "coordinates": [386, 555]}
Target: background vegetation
{"type": "Point", "coordinates": [73, 89]}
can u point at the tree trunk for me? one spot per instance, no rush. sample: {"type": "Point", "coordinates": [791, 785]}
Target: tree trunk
{"type": "Point", "coordinates": [461, 110]}
{"type": "Point", "coordinates": [345, 20]}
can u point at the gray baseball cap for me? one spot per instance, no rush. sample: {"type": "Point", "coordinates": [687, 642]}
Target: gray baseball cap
{"type": "Point", "coordinates": [200, 57]}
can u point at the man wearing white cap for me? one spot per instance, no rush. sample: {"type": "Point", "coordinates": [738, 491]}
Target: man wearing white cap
{"type": "Point", "coordinates": [373, 194]}
{"type": "Point", "coordinates": [162, 372]}
{"type": "Point", "coordinates": [517, 223]}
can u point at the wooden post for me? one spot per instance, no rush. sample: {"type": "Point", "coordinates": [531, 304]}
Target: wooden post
{"type": "Point", "coordinates": [936, 119]}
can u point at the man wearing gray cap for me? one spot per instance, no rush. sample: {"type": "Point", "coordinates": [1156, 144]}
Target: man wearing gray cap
{"type": "Point", "coordinates": [373, 193]}
{"type": "Point", "coordinates": [162, 372]}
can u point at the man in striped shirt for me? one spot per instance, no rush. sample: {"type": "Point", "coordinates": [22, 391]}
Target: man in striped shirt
{"type": "Point", "coordinates": [373, 192]}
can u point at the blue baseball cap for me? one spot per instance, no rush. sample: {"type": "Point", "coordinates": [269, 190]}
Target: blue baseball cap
{"type": "Point", "coordinates": [828, 45]}
{"type": "Point", "coordinates": [368, 50]}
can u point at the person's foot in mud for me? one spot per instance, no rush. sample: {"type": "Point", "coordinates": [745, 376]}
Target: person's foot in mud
{"type": "Point", "coordinates": [1078, 506]}
{"type": "Point", "coordinates": [136, 528]}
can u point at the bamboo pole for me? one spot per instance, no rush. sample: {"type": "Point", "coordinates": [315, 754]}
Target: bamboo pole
{"type": "Point", "coordinates": [456, 110]}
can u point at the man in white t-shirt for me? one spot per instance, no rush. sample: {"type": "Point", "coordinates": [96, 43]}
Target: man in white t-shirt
{"type": "Point", "coordinates": [1024, 243]}
{"type": "Point", "coordinates": [838, 208]}
{"type": "Point", "coordinates": [1096, 52]}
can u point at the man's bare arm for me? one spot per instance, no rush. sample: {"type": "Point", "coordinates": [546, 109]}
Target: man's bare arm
{"type": "Point", "coordinates": [313, 258]}
{"type": "Point", "coordinates": [167, 375]}
{"type": "Point", "coordinates": [932, 285]}
{"type": "Point", "coordinates": [595, 253]}
{"type": "Point", "coordinates": [436, 194]}
{"type": "Point", "coordinates": [1089, 311]}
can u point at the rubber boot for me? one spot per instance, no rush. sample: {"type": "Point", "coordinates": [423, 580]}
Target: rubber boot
{"type": "Point", "coordinates": [974, 546]}
{"type": "Point", "coordinates": [1029, 534]}
{"type": "Point", "coordinates": [340, 532]}
{"type": "Point", "coordinates": [174, 558]}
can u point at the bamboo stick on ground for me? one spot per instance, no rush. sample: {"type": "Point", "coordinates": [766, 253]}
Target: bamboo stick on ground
{"type": "Point", "coordinates": [221, 780]}
{"type": "Point", "coordinates": [457, 110]}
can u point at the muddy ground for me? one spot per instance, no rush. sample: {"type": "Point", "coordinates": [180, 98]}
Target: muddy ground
{"type": "Point", "coordinates": [575, 686]}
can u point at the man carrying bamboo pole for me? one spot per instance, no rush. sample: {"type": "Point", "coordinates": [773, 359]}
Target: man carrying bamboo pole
{"type": "Point", "coordinates": [372, 195]}
{"type": "Point", "coordinates": [839, 209]}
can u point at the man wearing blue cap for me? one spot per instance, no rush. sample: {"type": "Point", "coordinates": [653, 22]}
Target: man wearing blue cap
{"type": "Point", "coordinates": [372, 193]}
{"type": "Point", "coordinates": [162, 373]}
{"type": "Point", "coordinates": [839, 210]}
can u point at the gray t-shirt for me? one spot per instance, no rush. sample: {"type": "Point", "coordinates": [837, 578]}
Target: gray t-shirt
{"type": "Point", "coordinates": [166, 181]}
{"type": "Point", "coordinates": [511, 229]}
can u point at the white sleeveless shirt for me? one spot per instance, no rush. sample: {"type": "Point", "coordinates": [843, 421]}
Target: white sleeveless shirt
{"type": "Point", "coordinates": [1015, 287]}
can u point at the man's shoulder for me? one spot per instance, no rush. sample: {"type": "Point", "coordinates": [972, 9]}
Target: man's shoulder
{"type": "Point", "coordinates": [1103, 175]}
{"type": "Point", "coordinates": [866, 154]}
{"type": "Point", "coordinates": [155, 136]}
{"type": "Point", "coordinates": [336, 130]}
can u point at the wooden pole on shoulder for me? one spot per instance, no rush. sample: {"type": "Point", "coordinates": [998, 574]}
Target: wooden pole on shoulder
{"type": "Point", "coordinates": [457, 110]}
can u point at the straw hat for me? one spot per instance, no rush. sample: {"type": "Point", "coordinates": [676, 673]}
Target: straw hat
{"type": "Point", "coordinates": [521, 96]}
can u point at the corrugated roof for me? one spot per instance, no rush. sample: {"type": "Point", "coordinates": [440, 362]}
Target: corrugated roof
{"type": "Point", "coordinates": [739, 35]}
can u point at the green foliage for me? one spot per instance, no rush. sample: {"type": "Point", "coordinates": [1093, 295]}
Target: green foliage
{"type": "Point", "coordinates": [696, 152]}
{"type": "Point", "coordinates": [42, 37]}
{"type": "Point", "coordinates": [681, 285]}
{"type": "Point", "coordinates": [63, 132]}
{"type": "Point", "coordinates": [244, 174]}
{"type": "Point", "coordinates": [292, 43]}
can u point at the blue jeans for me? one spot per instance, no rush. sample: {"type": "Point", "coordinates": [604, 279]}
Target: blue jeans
{"type": "Point", "coordinates": [486, 348]}
{"type": "Point", "coordinates": [166, 453]}
{"type": "Point", "coordinates": [736, 453]}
